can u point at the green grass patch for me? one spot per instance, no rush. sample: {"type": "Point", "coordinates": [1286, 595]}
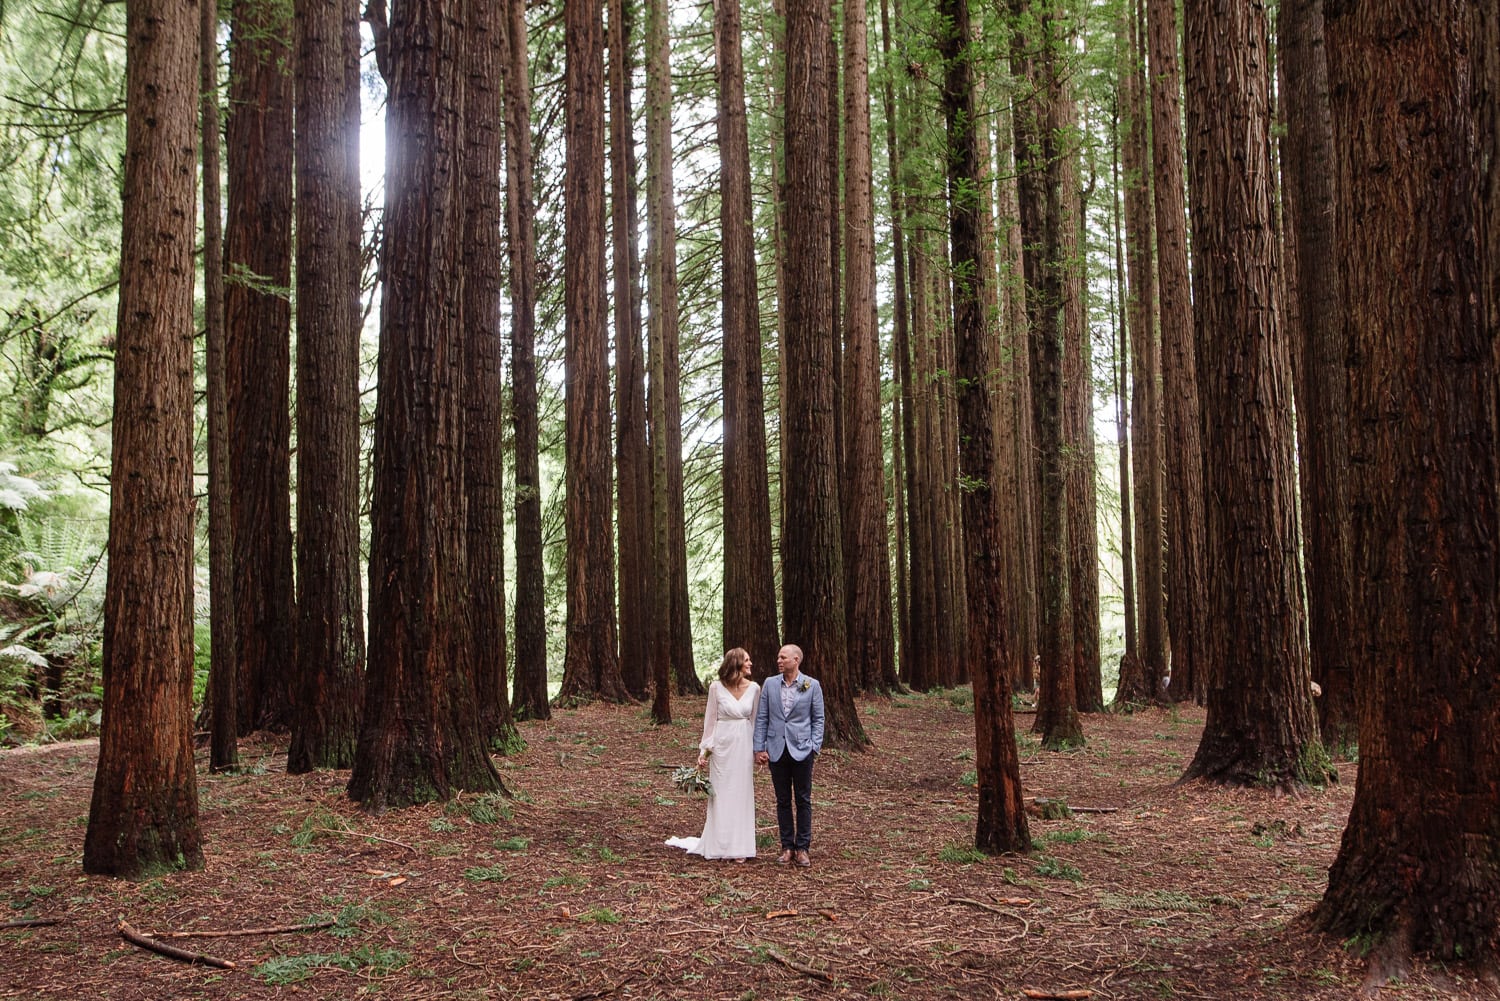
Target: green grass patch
{"type": "Point", "coordinates": [961, 854]}
{"type": "Point", "coordinates": [487, 874]}
{"type": "Point", "coordinates": [367, 959]}
{"type": "Point", "coordinates": [1054, 868]}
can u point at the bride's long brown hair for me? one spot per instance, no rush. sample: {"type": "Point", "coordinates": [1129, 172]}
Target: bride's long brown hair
{"type": "Point", "coordinates": [734, 660]}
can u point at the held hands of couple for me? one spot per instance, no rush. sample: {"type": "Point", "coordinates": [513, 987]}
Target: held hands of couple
{"type": "Point", "coordinates": [762, 757]}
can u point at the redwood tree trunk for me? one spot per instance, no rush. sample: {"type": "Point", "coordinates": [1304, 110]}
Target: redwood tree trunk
{"type": "Point", "coordinates": [483, 386]}
{"type": "Point", "coordinates": [867, 563]}
{"type": "Point", "coordinates": [222, 697]}
{"type": "Point", "coordinates": [1419, 867]}
{"type": "Point", "coordinates": [811, 544]}
{"type": "Point", "coordinates": [330, 602]}
{"type": "Point", "coordinates": [1001, 823]}
{"type": "Point", "coordinates": [143, 816]}
{"type": "Point", "coordinates": [1321, 389]}
{"type": "Point", "coordinates": [632, 458]}
{"type": "Point", "coordinates": [529, 697]}
{"type": "Point", "coordinates": [1039, 163]}
{"type": "Point", "coordinates": [749, 581]}
{"type": "Point", "coordinates": [1260, 728]}
{"type": "Point", "coordinates": [1187, 584]}
{"type": "Point", "coordinates": [421, 737]}
{"type": "Point", "coordinates": [591, 665]}
{"type": "Point", "coordinates": [258, 259]}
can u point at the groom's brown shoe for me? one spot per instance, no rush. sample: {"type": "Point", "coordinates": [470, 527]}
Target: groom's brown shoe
{"type": "Point", "coordinates": [784, 857]}
{"type": "Point", "coordinates": [803, 859]}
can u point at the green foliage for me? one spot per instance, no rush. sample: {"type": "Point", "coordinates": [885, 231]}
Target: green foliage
{"type": "Point", "coordinates": [961, 854]}
{"type": "Point", "coordinates": [368, 960]}
{"type": "Point", "coordinates": [487, 874]}
{"type": "Point", "coordinates": [1053, 868]}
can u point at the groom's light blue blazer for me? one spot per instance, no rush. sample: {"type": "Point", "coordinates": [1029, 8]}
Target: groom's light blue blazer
{"type": "Point", "coordinates": [799, 732]}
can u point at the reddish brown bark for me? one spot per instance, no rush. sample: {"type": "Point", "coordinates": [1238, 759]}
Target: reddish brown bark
{"type": "Point", "coordinates": [143, 817]}
{"type": "Point", "coordinates": [330, 602]}
{"type": "Point", "coordinates": [1419, 867]}
{"type": "Point", "coordinates": [257, 311]}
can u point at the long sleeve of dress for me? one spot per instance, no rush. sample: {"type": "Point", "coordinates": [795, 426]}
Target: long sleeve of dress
{"type": "Point", "coordinates": [710, 718]}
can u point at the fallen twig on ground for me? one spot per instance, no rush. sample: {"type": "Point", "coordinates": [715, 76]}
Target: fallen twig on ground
{"type": "Point", "coordinates": [362, 834]}
{"type": "Point", "coordinates": [279, 930]}
{"type": "Point", "coordinates": [30, 923]}
{"type": "Point", "coordinates": [150, 944]}
{"type": "Point", "coordinates": [803, 968]}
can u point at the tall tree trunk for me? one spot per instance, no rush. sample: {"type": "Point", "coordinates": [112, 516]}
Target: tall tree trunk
{"type": "Point", "coordinates": [257, 311]}
{"type": "Point", "coordinates": [591, 665]}
{"type": "Point", "coordinates": [867, 562]}
{"type": "Point", "coordinates": [1141, 680]}
{"type": "Point", "coordinates": [1038, 161]}
{"type": "Point", "coordinates": [1078, 406]}
{"type": "Point", "coordinates": [486, 54]}
{"type": "Point", "coordinates": [811, 545]}
{"type": "Point", "coordinates": [1321, 388]}
{"type": "Point", "coordinates": [666, 414]}
{"type": "Point", "coordinates": [1120, 362]}
{"type": "Point", "coordinates": [1413, 120]}
{"type": "Point", "coordinates": [222, 695]}
{"type": "Point", "coordinates": [1001, 823]}
{"type": "Point", "coordinates": [529, 698]}
{"type": "Point", "coordinates": [331, 625]}
{"type": "Point", "coordinates": [1187, 582]}
{"type": "Point", "coordinates": [632, 456]}
{"type": "Point", "coordinates": [1260, 728]}
{"type": "Point", "coordinates": [421, 737]}
{"type": "Point", "coordinates": [1017, 404]}
{"type": "Point", "coordinates": [143, 816]}
{"type": "Point", "coordinates": [749, 581]}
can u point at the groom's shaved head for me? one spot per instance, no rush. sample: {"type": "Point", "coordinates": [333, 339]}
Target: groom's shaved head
{"type": "Point", "coordinates": [793, 651]}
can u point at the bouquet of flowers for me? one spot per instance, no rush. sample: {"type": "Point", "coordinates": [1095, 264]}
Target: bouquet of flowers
{"type": "Point", "coordinates": [690, 780]}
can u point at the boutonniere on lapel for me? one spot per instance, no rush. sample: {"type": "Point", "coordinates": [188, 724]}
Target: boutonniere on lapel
{"type": "Point", "coordinates": [804, 685]}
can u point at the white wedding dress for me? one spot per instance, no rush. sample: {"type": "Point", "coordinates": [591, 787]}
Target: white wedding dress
{"type": "Point", "coordinates": [729, 737]}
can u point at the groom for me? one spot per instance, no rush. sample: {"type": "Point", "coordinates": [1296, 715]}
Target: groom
{"type": "Point", "coordinates": [788, 737]}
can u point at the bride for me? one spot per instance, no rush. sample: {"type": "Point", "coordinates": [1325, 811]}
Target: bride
{"type": "Point", "coordinates": [727, 746]}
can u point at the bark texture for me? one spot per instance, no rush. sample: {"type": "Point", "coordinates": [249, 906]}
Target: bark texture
{"type": "Point", "coordinates": [1260, 728]}
{"type": "Point", "coordinates": [529, 696]}
{"type": "Point", "coordinates": [420, 739]}
{"type": "Point", "coordinates": [258, 260]}
{"type": "Point", "coordinates": [1001, 824]}
{"type": "Point", "coordinates": [749, 581]}
{"type": "Point", "coordinates": [330, 599]}
{"type": "Point", "coordinates": [1419, 867]}
{"type": "Point", "coordinates": [591, 664]}
{"type": "Point", "coordinates": [143, 817]}
{"type": "Point", "coordinates": [811, 539]}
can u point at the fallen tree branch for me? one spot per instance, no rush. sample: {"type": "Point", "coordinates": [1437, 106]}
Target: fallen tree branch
{"type": "Point", "coordinates": [361, 834]}
{"type": "Point", "coordinates": [150, 944]}
{"type": "Point", "coordinates": [282, 929]}
{"type": "Point", "coordinates": [1057, 995]}
{"type": "Point", "coordinates": [1039, 800]}
{"type": "Point", "coordinates": [792, 964]}
{"type": "Point", "coordinates": [31, 923]}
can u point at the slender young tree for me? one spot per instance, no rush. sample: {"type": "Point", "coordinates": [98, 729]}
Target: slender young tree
{"type": "Point", "coordinates": [143, 816]}
{"type": "Point", "coordinates": [811, 544]}
{"type": "Point", "coordinates": [867, 562]}
{"type": "Point", "coordinates": [632, 454]}
{"type": "Point", "coordinates": [485, 55]}
{"type": "Point", "coordinates": [529, 696]}
{"type": "Point", "coordinates": [1260, 728]}
{"type": "Point", "coordinates": [421, 738]}
{"type": "Point", "coordinates": [1413, 118]}
{"type": "Point", "coordinates": [257, 309]}
{"type": "Point", "coordinates": [330, 606]}
{"type": "Point", "coordinates": [223, 754]}
{"type": "Point", "coordinates": [749, 584]}
{"type": "Point", "coordinates": [1001, 824]}
{"type": "Point", "coordinates": [1308, 189]}
{"type": "Point", "coordinates": [591, 664]}
{"type": "Point", "coordinates": [1186, 581]}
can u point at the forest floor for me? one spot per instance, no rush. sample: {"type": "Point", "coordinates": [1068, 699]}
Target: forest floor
{"type": "Point", "coordinates": [566, 891]}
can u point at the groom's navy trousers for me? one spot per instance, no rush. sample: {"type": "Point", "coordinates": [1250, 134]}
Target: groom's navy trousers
{"type": "Point", "coordinates": [792, 780]}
